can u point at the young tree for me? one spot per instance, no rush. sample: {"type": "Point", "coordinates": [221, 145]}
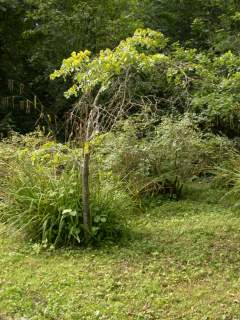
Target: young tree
{"type": "Point", "coordinates": [107, 88]}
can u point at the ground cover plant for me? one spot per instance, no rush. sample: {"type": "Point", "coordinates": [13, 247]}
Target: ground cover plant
{"type": "Point", "coordinates": [181, 262]}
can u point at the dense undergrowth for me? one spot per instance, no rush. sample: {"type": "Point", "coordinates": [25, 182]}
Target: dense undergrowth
{"type": "Point", "coordinates": [42, 196]}
{"type": "Point", "coordinates": [148, 114]}
{"type": "Point", "coordinates": [41, 185]}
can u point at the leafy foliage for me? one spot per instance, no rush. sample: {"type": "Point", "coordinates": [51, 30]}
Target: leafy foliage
{"type": "Point", "coordinates": [154, 161]}
{"type": "Point", "coordinates": [42, 195]}
{"type": "Point", "coordinates": [137, 52]}
{"type": "Point", "coordinates": [203, 24]}
{"type": "Point", "coordinates": [36, 35]}
{"type": "Point", "coordinates": [178, 80]}
{"type": "Point", "coordinates": [158, 159]}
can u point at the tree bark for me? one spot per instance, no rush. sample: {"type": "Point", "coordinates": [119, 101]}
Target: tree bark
{"type": "Point", "coordinates": [87, 221]}
{"type": "Point", "coordinates": [92, 121]}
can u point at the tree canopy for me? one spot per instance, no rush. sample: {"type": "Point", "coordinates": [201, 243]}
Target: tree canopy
{"type": "Point", "coordinates": [36, 35]}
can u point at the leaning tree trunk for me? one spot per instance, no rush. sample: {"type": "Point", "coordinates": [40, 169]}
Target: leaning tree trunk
{"type": "Point", "coordinates": [87, 221]}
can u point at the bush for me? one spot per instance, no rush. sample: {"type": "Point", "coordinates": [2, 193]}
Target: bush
{"type": "Point", "coordinates": [43, 196]}
{"type": "Point", "coordinates": [159, 159]}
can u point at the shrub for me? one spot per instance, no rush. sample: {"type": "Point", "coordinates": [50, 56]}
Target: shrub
{"type": "Point", "coordinates": [160, 159]}
{"type": "Point", "coordinates": [43, 196]}
{"type": "Point", "coordinates": [217, 150]}
{"type": "Point", "coordinates": [158, 162]}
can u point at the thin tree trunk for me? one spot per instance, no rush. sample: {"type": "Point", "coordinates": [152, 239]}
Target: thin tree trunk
{"type": "Point", "coordinates": [91, 123]}
{"type": "Point", "coordinates": [86, 197]}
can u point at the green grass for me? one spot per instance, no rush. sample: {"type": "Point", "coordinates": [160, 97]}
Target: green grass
{"type": "Point", "coordinates": [182, 261]}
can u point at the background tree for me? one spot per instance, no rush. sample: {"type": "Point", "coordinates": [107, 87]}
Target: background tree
{"type": "Point", "coordinates": [35, 35]}
{"type": "Point", "coordinates": [203, 24]}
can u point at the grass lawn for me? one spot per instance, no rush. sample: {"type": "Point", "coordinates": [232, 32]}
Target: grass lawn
{"type": "Point", "coordinates": [181, 262]}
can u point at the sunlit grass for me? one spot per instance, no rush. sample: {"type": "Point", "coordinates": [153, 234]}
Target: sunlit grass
{"type": "Point", "coordinates": [181, 261]}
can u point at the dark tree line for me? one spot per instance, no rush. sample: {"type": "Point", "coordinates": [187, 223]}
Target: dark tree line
{"type": "Point", "coordinates": [35, 36]}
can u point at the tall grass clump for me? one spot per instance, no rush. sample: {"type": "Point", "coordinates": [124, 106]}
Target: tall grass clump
{"type": "Point", "coordinates": [227, 176]}
{"type": "Point", "coordinates": [43, 195]}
